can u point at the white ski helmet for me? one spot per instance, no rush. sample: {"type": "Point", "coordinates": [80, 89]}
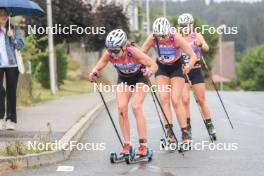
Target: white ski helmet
{"type": "Point", "coordinates": [116, 38]}
{"type": "Point", "coordinates": [161, 26]}
{"type": "Point", "coordinates": [185, 19]}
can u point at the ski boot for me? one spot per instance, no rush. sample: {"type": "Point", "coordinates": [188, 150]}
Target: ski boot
{"type": "Point", "coordinates": [189, 127]}
{"type": "Point", "coordinates": [211, 129]}
{"type": "Point", "coordinates": [170, 143]}
{"type": "Point", "coordinates": [186, 140]}
{"type": "Point", "coordinates": [126, 151]}
{"type": "Point", "coordinates": [143, 154]}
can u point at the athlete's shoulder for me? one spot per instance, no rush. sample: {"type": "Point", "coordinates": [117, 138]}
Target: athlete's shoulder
{"type": "Point", "coordinates": [176, 35]}
{"type": "Point", "coordinates": [132, 49]}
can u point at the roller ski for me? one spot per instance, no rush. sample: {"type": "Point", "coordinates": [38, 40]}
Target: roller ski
{"type": "Point", "coordinates": [143, 154]}
{"type": "Point", "coordinates": [127, 151]}
{"type": "Point", "coordinates": [211, 129]}
{"type": "Point", "coordinates": [170, 143]}
{"type": "Point", "coordinates": [186, 144]}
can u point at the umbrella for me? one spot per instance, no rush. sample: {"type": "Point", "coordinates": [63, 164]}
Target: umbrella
{"type": "Point", "coordinates": [22, 8]}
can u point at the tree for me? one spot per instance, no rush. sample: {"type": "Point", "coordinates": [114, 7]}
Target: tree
{"type": "Point", "coordinates": [248, 17]}
{"type": "Point", "coordinates": [111, 16]}
{"type": "Point", "coordinates": [66, 13]}
{"type": "Point", "coordinates": [250, 69]}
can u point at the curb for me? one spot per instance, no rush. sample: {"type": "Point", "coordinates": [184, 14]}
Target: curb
{"type": "Point", "coordinates": [50, 157]}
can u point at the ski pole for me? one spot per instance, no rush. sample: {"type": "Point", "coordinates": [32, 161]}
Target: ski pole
{"type": "Point", "coordinates": [196, 100]}
{"type": "Point", "coordinates": [162, 110]}
{"type": "Point", "coordinates": [156, 107]}
{"type": "Point", "coordinates": [217, 92]}
{"type": "Point", "coordinates": [159, 116]}
{"type": "Point", "coordinates": [108, 112]}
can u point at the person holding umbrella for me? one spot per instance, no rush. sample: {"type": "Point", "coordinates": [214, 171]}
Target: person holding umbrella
{"type": "Point", "coordinates": [10, 39]}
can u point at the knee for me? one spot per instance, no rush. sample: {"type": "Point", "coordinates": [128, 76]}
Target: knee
{"type": "Point", "coordinates": [164, 101]}
{"type": "Point", "coordinates": [122, 111]}
{"type": "Point", "coordinates": [186, 100]}
{"type": "Point", "coordinates": [176, 103]}
{"type": "Point", "coordinates": [137, 108]}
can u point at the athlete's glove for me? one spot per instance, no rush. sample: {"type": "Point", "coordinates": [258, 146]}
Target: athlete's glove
{"type": "Point", "coordinates": [93, 76]}
{"type": "Point", "coordinates": [147, 72]}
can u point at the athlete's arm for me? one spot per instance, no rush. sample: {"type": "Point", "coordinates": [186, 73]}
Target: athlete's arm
{"type": "Point", "coordinates": [180, 42]}
{"type": "Point", "coordinates": [103, 61]}
{"type": "Point", "coordinates": [147, 44]}
{"type": "Point", "coordinates": [145, 60]}
{"type": "Point", "coordinates": [203, 44]}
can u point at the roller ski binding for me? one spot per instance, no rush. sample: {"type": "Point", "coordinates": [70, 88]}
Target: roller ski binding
{"type": "Point", "coordinates": [170, 143]}
{"type": "Point", "coordinates": [143, 154]}
{"type": "Point", "coordinates": [127, 151]}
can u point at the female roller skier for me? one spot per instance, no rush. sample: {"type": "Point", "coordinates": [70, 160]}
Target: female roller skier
{"type": "Point", "coordinates": [170, 72]}
{"type": "Point", "coordinates": [198, 44]}
{"type": "Point", "coordinates": [129, 63]}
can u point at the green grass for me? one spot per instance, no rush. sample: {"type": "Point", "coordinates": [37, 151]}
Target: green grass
{"type": "Point", "coordinates": [70, 87]}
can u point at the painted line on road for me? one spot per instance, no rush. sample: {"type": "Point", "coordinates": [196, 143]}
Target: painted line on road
{"type": "Point", "coordinates": [65, 168]}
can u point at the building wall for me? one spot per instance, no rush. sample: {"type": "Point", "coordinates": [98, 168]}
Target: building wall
{"type": "Point", "coordinates": [87, 61]}
{"type": "Point", "coordinates": [228, 56]}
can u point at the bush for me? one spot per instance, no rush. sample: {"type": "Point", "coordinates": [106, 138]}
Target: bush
{"type": "Point", "coordinates": [41, 67]}
{"type": "Point", "coordinates": [62, 64]}
{"type": "Point", "coordinates": [250, 69]}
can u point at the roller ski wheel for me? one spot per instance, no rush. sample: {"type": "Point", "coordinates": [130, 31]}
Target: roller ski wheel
{"type": "Point", "coordinates": [140, 158]}
{"type": "Point", "coordinates": [163, 143]}
{"type": "Point", "coordinates": [115, 158]}
{"type": "Point", "coordinates": [186, 145]}
{"type": "Point", "coordinates": [169, 146]}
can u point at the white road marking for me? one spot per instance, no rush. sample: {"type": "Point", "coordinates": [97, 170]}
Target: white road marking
{"type": "Point", "coordinates": [65, 168]}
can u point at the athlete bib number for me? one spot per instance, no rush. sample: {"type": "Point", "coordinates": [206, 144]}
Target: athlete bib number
{"type": "Point", "coordinates": [167, 59]}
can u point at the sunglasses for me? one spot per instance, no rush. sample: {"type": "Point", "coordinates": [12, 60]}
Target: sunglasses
{"type": "Point", "coordinates": [160, 36]}
{"type": "Point", "coordinates": [183, 25]}
{"type": "Point", "coordinates": [114, 51]}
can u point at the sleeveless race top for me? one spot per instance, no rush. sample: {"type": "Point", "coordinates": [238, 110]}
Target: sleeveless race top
{"type": "Point", "coordinates": [190, 40]}
{"type": "Point", "coordinates": [128, 66]}
{"type": "Point", "coordinates": [169, 54]}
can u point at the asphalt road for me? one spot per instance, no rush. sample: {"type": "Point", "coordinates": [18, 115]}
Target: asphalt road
{"type": "Point", "coordinates": [246, 111]}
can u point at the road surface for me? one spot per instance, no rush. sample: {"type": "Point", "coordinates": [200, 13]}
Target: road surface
{"type": "Point", "coordinates": [246, 111]}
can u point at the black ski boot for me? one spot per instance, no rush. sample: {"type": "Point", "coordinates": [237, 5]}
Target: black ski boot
{"type": "Point", "coordinates": [211, 129]}
{"type": "Point", "coordinates": [189, 127]}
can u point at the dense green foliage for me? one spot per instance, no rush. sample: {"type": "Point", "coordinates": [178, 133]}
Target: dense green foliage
{"type": "Point", "coordinates": [250, 69]}
{"type": "Point", "coordinates": [248, 17]}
